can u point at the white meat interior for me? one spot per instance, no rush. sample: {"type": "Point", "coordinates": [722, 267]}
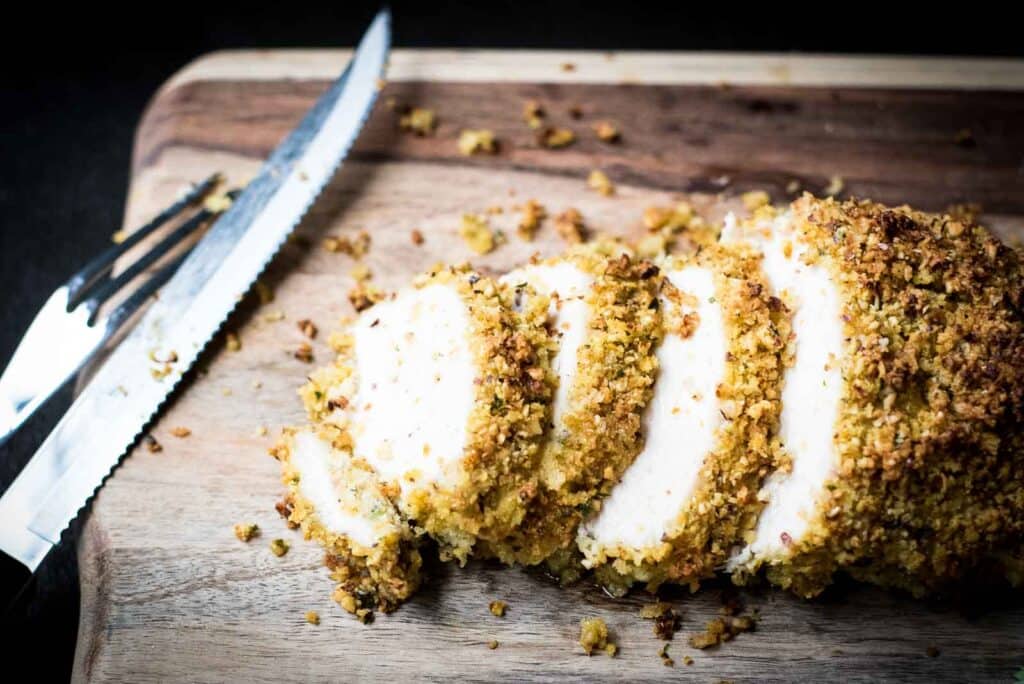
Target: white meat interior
{"type": "Point", "coordinates": [680, 426]}
{"type": "Point", "coordinates": [812, 387]}
{"type": "Point", "coordinates": [568, 286]}
{"type": "Point", "coordinates": [414, 393]}
{"type": "Point", "coordinates": [347, 500]}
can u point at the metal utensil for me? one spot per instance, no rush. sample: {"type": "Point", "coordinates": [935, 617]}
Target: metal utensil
{"type": "Point", "coordinates": [124, 395]}
{"type": "Point", "coordinates": [67, 332]}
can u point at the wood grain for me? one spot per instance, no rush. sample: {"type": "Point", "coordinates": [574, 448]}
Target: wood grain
{"type": "Point", "coordinates": [168, 593]}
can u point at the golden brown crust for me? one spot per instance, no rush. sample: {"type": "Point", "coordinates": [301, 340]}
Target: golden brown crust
{"type": "Point", "coordinates": [601, 437]}
{"type": "Point", "coordinates": [381, 576]}
{"type": "Point", "coordinates": [724, 507]}
{"type": "Point", "coordinates": [513, 389]}
{"type": "Point", "coordinates": [931, 458]}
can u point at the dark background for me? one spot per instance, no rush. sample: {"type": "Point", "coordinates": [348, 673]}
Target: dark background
{"type": "Point", "coordinates": [75, 82]}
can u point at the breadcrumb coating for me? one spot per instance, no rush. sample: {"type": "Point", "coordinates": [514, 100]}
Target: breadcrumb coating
{"type": "Point", "coordinates": [930, 483]}
{"type": "Point", "coordinates": [512, 395]}
{"type": "Point", "coordinates": [724, 507]}
{"type": "Point", "coordinates": [600, 432]}
{"type": "Point", "coordinates": [380, 576]}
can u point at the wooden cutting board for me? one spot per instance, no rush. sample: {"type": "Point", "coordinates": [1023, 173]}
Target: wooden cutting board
{"type": "Point", "coordinates": [169, 593]}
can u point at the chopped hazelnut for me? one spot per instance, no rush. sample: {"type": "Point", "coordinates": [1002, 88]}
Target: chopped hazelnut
{"type": "Point", "coordinates": [417, 238]}
{"type": "Point", "coordinates": [180, 432]}
{"type": "Point", "coordinates": [307, 328]}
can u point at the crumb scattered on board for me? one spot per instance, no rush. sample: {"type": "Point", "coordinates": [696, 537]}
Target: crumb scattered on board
{"type": "Point", "coordinates": [666, 620]}
{"type": "Point", "coordinates": [312, 617]}
{"type": "Point", "coordinates": [233, 342]}
{"type": "Point", "coordinates": [477, 141]}
{"type": "Point", "coordinates": [279, 547]}
{"type": "Point", "coordinates": [180, 432]}
{"type": "Point", "coordinates": [594, 636]}
{"type": "Point", "coordinates": [666, 660]}
{"type": "Point", "coordinates": [498, 608]}
{"type": "Point", "coordinates": [533, 212]}
{"type": "Point", "coordinates": [477, 234]}
{"type": "Point", "coordinates": [417, 237]}
{"type": "Point", "coordinates": [554, 138]}
{"type": "Point", "coordinates": [246, 531]}
{"type": "Point", "coordinates": [492, 644]}
{"type": "Point", "coordinates": [152, 445]}
{"type": "Point", "coordinates": [723, 629]}
{"type": "Point", "coordinates": [598, 180]}
{"type": "Point", "coordinates": [304, 352]}
{"type": "Point", "coordinates": [308, 328]}
{"type": "Point", "coordinates": [355, 247]}
{"type": "Point", "coordinates": [569, 226]}
{"type": "Point", "coordinates": [607, 132]}
{"type": "Point", "coordinates": [419, 121]}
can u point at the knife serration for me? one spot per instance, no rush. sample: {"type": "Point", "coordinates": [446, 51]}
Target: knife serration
{"type": "Point", "coordinates": [124, 395]}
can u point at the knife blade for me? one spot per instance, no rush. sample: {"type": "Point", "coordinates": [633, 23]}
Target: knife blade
{"type": "Point", "coordinates": [124, 395]}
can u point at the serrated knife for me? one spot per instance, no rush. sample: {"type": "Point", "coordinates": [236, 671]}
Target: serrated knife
{"type": "Point", "coordinates": [123, 396]}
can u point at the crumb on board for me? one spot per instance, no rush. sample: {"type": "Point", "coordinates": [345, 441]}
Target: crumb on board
{"type": "Point", "coordinates": [279, 547]}
{"type": "Point", "coordinates": [492, 644]}
{"type": "Point", "coordinates": [568, 66]}
{"type": "Point", "coordinates": [419, 121]}
{"type": "Point", "coordinates": [152, 445]}
{"type": "Point", "coordinates": [666, 620]}
{"type": "Point", "coordinates": [594, 636]}
{"type": "Point", "coordinates": [477, 141]}
{"type": "Point", "coordinates": [312, 617]}
{"type": "Point", "coordinates": [246, 531]}
{"type": "Point", "coordinates": [308, 328]}
{"type": "Point", "coordinates": [723, 629]}
{"type": "Point", "coordinates": [607, 132]}
{"type": "Point", "coordinates": [180, 432]}
{"type": "Point", "coordinates": [355, 247]}
{"type": "Point", "coordinates": [533, 212]}
{"type": "Point", "coordinates": [666, 660]}
{"type": "Point", "coordinates": [360, 273]}
{"type": "Point", "coordinates": [119, 236]}
{"type": "Point", "coordinates": [569, 226]}
{"type": "Point", "coordinates": [364, 615]}
{"type": "Point", "coordinates": [598, 180]}
{"type": "Point", "coordinates": [283, 508]}
{"type": "Point", "coordinates": [673, 219]}
{"type": "Point", "coordinates": [417, 237]}
{"type": "Point", "coordinates": [554, 138]}
{"type": "Point", "coordinates": [304, 352]}
{"type": "Point", "coordinates": [477, 234]}
{"type": "Point", "coordinates": [498, 608]}
{"type": "Point", "coordinates": [262, 431]}
{"type": "Point", "coordinates": [363, 295]}
{"type": "Point", "coordinates": [687, 660]}
{"type": "Point", "coordinates": [835, 186]}
{"type": "Point", "coordinates": [274, 316]}
{"type": "Point", "coordinates": [233, 343]}
{"type": "Point", "coordinates": [755, 199]}
{"type": "Point", "coordinates": [533, 114]}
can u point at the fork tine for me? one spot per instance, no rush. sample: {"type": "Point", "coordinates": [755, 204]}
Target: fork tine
{"type": "Point", "coordinates": [104, 290]}
{"type": "Point", "coordinates": [129, 306]}
{"type": "Point", "coordinates": [79, 283]}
